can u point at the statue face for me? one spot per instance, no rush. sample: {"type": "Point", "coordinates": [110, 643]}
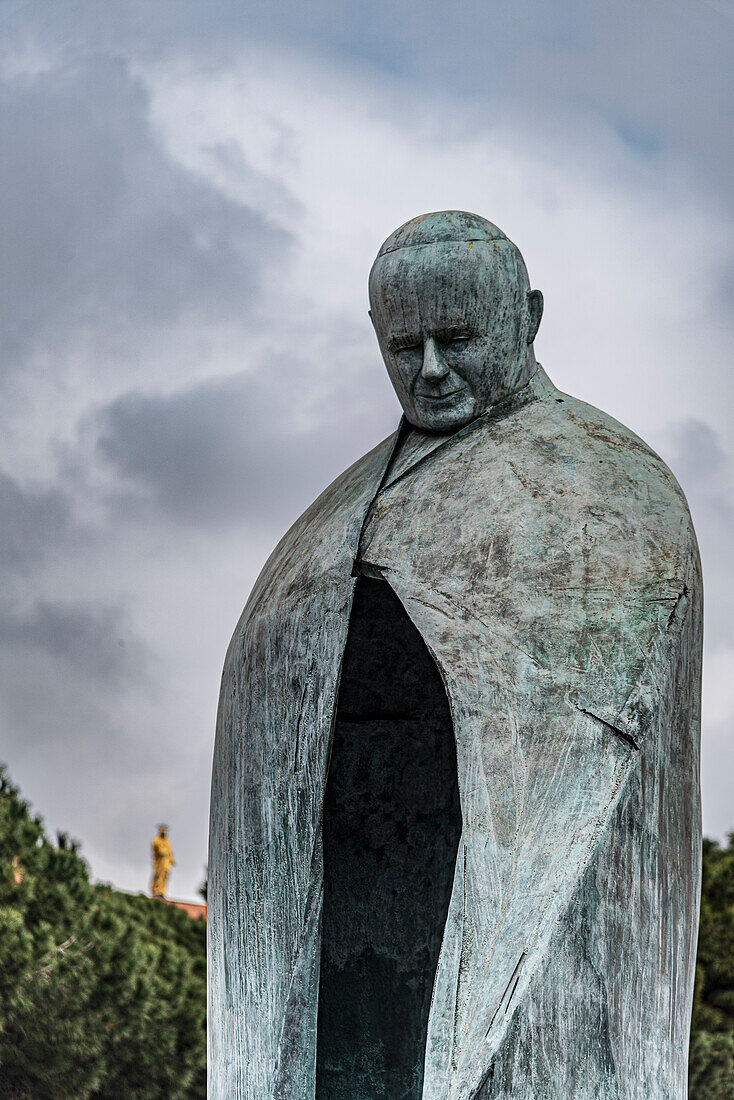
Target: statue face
{"type": "Point", "coordinates": [444, 377]}
{"type": "Point", "coordinates": [453, 320]}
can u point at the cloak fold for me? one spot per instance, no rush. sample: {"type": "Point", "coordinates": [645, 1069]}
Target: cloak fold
{"type": "Point", "coordinates": [547, 558]}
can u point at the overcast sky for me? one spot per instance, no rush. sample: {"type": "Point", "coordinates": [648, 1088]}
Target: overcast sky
{"type": "Point", "coordinates": [192, 195]}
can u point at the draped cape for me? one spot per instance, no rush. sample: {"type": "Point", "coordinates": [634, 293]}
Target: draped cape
{"type": "Point", "coordinates": [546, 556]}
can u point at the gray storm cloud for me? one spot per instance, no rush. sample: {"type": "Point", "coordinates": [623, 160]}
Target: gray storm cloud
{"type": "Point", "coordinates": [105, 237]}
{"type": "Point", "coordinates": [231, 450]}
{"type": "Point", "coordinates": [32, 520]}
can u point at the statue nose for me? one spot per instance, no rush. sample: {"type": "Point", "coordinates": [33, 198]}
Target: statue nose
{"type": "Point", "coordinates": [434, 366]}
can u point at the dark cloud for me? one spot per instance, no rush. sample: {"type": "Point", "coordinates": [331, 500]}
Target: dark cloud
{"type": "Point", "coordinates": [95, 643]}
{"type": "Point", "coordinates": [32, 522]}
{"type": "Point", "coordinates": [699, 454]}
{"type": "Point", "coordinates": [659, 77]}
{"type": "Point", "coordinates": [255, 447]}
{"type": "Point", "coordinates": [70, 735]}
{"type": "Point", "coordinates": [696, 454]}
{"type": "Point", "coordinates": [698, 457]}
{"type": "Point", "coordinates": [103, 234]}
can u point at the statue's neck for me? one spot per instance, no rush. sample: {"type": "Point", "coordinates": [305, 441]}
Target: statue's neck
{"type": "Point", "coordinates": [531, 365]}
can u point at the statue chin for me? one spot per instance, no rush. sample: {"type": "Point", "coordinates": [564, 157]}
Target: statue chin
{"type": "Point", "coordinates": [442, 415]}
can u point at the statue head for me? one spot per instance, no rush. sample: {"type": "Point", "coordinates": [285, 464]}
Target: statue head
{"type": "Point", "coordinates": [455, 317]}
{"type": "Point", "coordinates": [162, 830]}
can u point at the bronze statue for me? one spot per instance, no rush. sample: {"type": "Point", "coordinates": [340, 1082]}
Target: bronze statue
{"type": "Point", "coordinates": [455, 826]}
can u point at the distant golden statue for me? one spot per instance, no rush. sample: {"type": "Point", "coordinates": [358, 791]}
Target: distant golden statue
{"type": "Point", "coordinates": [163, 861]}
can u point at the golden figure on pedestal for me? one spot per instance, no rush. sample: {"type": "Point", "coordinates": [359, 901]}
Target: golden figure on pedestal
{"type": "Point", "coordinates": [162, 862]}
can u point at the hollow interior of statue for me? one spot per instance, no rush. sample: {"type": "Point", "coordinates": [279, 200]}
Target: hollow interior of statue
{"type": "Point", "coordinates": [392, 825]}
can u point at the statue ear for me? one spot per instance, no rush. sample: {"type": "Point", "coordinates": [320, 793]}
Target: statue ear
{"type": "Point", "coordinates": [535, 309]}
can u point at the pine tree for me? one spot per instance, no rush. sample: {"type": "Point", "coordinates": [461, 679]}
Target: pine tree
{"type": "Point", "coordinates": [102, 994]}
{"type": "Point", "coordinates": [712, 1033]}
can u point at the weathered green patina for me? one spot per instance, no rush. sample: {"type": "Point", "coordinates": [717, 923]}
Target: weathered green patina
{"type": "Point", "coordinates": [546, 558]}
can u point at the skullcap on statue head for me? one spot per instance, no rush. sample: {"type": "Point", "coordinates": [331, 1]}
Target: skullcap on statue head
{"type": "Point", "coordinates": [446, 247]}
{"type": "Point", "coordinates": [443, 225]}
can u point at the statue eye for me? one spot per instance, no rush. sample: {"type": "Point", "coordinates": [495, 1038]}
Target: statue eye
{"type": "Point", "coordinates": [409, 347]}
{"type": "Point", "coordinates": [453, 338]}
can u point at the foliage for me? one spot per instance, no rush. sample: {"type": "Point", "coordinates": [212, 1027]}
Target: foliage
{"type": "Point", "coordinates": [711, 1074]}
{"type": "Point", "coordinates": [711, 1067]}
{"type": "Point", "coordinates": [102, 994]}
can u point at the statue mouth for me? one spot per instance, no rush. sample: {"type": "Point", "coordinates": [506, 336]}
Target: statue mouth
{"type": "Point", "coordinates": [438, 396]}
